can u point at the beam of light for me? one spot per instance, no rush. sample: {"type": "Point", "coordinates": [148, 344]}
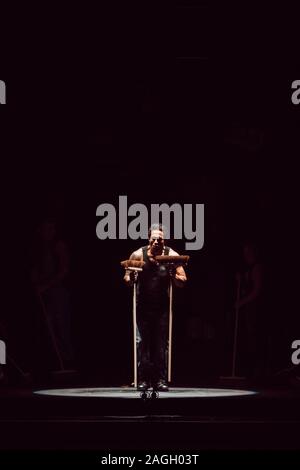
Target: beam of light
{"type": "Point", "coordinates": [115, 392]}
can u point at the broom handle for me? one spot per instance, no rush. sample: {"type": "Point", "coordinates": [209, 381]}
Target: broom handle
{"type": "Point", "coordinates": [236, 328]}
{"type": "Point", "coordinates": [134, 336]}
{"type": "Point", "coordinates": [170, 330]}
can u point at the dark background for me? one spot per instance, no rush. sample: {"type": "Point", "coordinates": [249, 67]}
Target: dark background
{"type": "Point", "coordinates": [184, 104]}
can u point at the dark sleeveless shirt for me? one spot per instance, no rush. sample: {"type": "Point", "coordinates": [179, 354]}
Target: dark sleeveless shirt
{"type": "Point", "coordinates": [153, 284]}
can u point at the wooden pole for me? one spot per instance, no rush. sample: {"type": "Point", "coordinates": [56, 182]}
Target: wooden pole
{"type": "Point", "coordinates": [170, 331]}
{"type": "Point", "coordinates": [134, 336]}
{"type": "Point", "coordinates": [236, 329]}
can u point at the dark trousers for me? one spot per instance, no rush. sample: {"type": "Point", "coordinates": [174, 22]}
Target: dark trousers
{"type": "Point", "coordinates": [253, 339]}
{"type": "Point", "coordinates": [57, 308]}
{"type": "Point", "coordinates": [152, 343]}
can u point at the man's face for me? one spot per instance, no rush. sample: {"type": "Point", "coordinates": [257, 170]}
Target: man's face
{"type": "Point", "coordinates": [156, 242]}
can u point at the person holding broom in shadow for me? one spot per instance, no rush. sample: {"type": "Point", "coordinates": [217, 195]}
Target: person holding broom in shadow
{"type": "Point", "coordinates": [49, 274]}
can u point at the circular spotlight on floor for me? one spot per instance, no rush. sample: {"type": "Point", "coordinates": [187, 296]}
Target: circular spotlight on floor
{"type": "Point", "coordinates": [131, 393]}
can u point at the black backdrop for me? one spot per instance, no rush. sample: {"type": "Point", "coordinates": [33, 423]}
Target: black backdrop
{"type": "Point", "coordinates": [180, 104]}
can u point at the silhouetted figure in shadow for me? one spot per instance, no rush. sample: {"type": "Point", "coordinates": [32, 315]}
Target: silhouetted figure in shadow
{"type": "Point", "coordinates": [253, 315]}
{"type": "Point", "coordinates": [2, 338]}
{"type": "Point", "coordinates": [11, 372]}
{"type": "Point", "coordinates": [49, 276]}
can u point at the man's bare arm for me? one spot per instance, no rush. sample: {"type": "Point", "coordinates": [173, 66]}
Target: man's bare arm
{"type": "Point", "coordinates": [180, 275]}
{"type": "Point", "coordinates": [129, 275]}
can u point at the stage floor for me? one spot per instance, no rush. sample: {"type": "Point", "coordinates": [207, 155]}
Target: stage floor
{"type": "Point", "coordinates": [117, 418]}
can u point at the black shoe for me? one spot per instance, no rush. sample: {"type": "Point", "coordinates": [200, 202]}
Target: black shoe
{"type": "Point", "coordinates": [142, 386]}
{"type": "Point", "coordinates": [162, 386]}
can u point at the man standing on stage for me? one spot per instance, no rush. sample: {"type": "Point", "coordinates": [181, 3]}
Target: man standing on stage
{"type": "Point", "coordinates": [152, 308]}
